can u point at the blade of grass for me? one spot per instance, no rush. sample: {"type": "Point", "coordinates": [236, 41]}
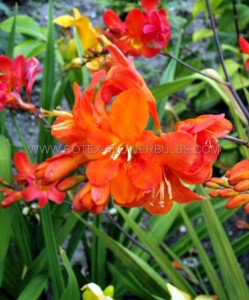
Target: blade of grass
{"type": "Point", "coordinates": [234, 281]}
{"type": "Point", "coordinates": [12, 36]}
{"type": "Point", "coordinates": [147, 276]}
{"type": "Point", "coordinates": [98, 255]}
{"type": "Point", "coordinates": [161, 259]}
{"type": "Point", "coordinates": [72, 289]}
{"type": "Point", "coordinates": [34, 289]}
{"type": "Point", "coordinates": [81, 53]}
{"type": "Point", "coordinates": [52, 253]}
{"type": "Point", "coordinates": [210, 271]}
{"type": "Point", "coordinates": [47, 81]}
{"type": "Point", "coordinates": [6, 214]}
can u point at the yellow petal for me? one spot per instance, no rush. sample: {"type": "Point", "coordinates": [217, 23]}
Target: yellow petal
{"type": "Point", "coordinates": [64, 21]}
{"type": "Point", "coordinates": [76, 13]}
{"type": "Point", "coordinates": [177, 294]}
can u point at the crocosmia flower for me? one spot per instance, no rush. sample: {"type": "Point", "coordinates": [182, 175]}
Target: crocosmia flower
{"type": "Point", "coordinates": [29, 187]}
{"type": "Point", "coordinates": [244, 46]}
{"type": "Point", "coordinates": [14, 75]}
{"type": "Point", "coordinates": [235, 188]}
{"type": "Point", "coordinates": [206, 130]}
{"type": "Point", "coordinates": [142, 33]}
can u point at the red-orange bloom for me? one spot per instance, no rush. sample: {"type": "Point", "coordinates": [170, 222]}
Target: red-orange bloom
{"type": "Point", "coordinates": [205, 129]}
{"type": "Point", "coordinates": [123, 76]}
{"type": "Point", "coordinates": [123, 163]}
{"type": "Point", "coordinates": [141, 34]}
{"type": "Point", "coordinates": [13, 76]}
{"type": "Point", "coordinates": [30, 187]}
{"type": "Point", "coordinates": [175, 153]}
{"type": "Point", "coordinates": [244, 46]}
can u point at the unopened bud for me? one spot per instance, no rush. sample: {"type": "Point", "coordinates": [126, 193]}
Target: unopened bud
{"type": "Point", "coordinates": [214, 193]}
{"type": "Point", "coordinates": [212, 185]}
{"type": "Point", "coordinates": [227, 193]}
{"type": "Point", "coordinates": [70, 182]}
{"type": "Point", "coordinates": [242, 186]}
{"type": "Point", "coordinates": [219, 181]}
{"type": "Point", "coordinates": [242, 224]}
{"type": "Point", "coordinates": [238, 201]}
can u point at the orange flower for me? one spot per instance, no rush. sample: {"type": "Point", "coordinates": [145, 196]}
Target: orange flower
{"type": "Point", "coordinates": [121, 76]}
{"type": "Point", "coordinates": [122, 163]}
{"type": "Point", "coordinates": [205, 129]}
{"type": "Point", "coordinates": [236, 188]}
{"type": "Point", "coordinates": [13, 76]}
{"type": "Point", "coordinates": [177, 154]}
{"type": "Point", "coordinates": [244, 46]}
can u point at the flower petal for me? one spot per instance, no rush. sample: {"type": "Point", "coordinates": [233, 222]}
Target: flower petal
{"type": "Point", "coordinates": [181, 193]}
{"type": "Point", "coordinates": [100, 172]}
{"type": "Point", "coordinates": [113, 22]}
{"type": "Point", "coordinates": [122, 189]}
{"type": "Point", "coordinates": [149, 4]}
{"type": "Point", "coordinates": [64, 21]}
{"type": "Point", "coordinates": [244, 45]}
{"type": "Point", "coordinates": [127, 121]}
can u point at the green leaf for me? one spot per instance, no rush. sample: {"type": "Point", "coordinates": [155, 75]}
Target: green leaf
{"type": "Point", "coordinates": [6, 214]}
{"type": "Point", "coordinates": [210, 271]}
{"type": "Point", "coordinates": [202, 33]}
{"type": "Point", "coordinates": [34, 288]}
{"type": "Point", "coordinates": [12, 36]}
{"type": "Point", "coordinates": [51, 251]}
{"type": "Point", "coordinates": [47, 83]}
{"type": "Point", "coordinates": [233, 278]}
{"type": "Point", "coordinates": [25, 25]}
{"type": "Point", "coordinates": [29, 48]}
{"type": "Point", "coordinates": [72, 290]}
{"type": "Point", "coordinates": [158, 255]}
{"type": "Point", "coordinates": [150, 279]}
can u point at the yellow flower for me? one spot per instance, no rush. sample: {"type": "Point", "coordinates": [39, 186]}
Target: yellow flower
{"type": "Point", "coordinates": [87, 34]}
{"type": "Point", "coordinates": [92, 291]}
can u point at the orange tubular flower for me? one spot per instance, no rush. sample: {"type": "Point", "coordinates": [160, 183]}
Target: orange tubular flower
{"type": "Point", "coordinates": [236, 188]}
{"type": "Point", "coordinates": [31, 187]}
{"type": "Point", "coordinates": [244, 46]}
{"type": "Point", "coordinates": [142, 37]}
{"type": "Point", "coordinates": [122, 76]}
{"type": "Point", "coordinates": [123, 163]}
{"type": "Point", "coordinates": [176, 154]}
{"type": "Point", "coordinates": [205, 129]}
{"type": "Point", "coordinates": [13, 76]}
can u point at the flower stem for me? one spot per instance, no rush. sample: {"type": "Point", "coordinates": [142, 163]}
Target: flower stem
{"type": "Point", "coordinates": [236, 140]}
{"type": "Point", "coordinates": [192, 68]}
{"type": "Point", "coordinates": [228, 80]}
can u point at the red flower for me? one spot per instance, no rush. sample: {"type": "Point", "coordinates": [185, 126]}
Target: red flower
{"type": "Point", "coordinates": [30, 187]}
{"type": "Point", "coordinates": [13, 76]}
{"type": "Point", "coordinates": [140, 34]}
{"type": "Point", "coordinates": [244, 46]}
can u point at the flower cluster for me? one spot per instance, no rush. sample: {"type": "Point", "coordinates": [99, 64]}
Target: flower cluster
{"type": "Point", "coordinates": [105, 134]}
{"type": "Point", "coordinates": [143, 37]}
{"type": "Point", "coordinates": [136, 167]}
{"type": "Point", "coordinates": [235, 188]}
{"type": "Point", "coordinates": [14, 75]}
{"type": "Point", "coordinates": [92, 41]}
